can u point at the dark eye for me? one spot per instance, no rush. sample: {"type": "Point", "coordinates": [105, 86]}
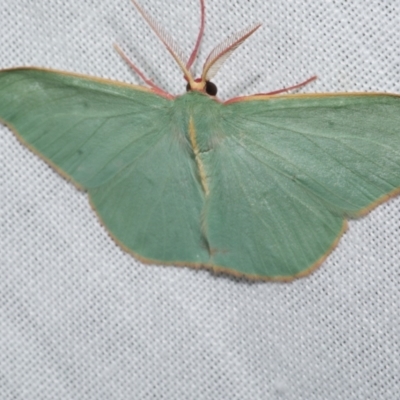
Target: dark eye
{"type": "Point", "coordinates": [211, 89]}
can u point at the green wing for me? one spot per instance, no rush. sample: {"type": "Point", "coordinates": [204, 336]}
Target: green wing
{"type": "Point", "coordinates": [260, 188]}
{"type": "Point", "coordinates": [290, 170]}
{"type": "Point", "coordinates": [121, 143]}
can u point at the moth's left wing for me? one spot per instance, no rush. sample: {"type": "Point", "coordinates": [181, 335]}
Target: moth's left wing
{"type": "Point", "coordinates": [288, 173]}
{"type": "Point", "coordinates": [123, 144]}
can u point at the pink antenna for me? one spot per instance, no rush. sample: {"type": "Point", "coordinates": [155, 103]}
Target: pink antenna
{"type": "Point", "coordinates": [199, 36]}
{"type": "Point", "coordinates": [169, 43]}
{"type": "Point", "coordinates": [221, 52]}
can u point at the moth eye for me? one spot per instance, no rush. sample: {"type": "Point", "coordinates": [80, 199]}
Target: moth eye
{"type": "Point", "coordinates": [211, 88]}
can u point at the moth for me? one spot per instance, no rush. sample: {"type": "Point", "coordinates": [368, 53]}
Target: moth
{"type": "Point", "coordinates": [258, 186]}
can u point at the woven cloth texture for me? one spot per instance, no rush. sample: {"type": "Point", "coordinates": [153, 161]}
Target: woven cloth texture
{"type": "Point", "coordinates": [82, 319]}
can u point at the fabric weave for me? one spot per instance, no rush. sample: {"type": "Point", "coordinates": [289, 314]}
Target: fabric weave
{"type": "Point", "coordinates": [81, 319]}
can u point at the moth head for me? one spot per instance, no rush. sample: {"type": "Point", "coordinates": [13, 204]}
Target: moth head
{"type": "Point", "coordinates": [212, 64]}
{"type": "Point", "coordinates": [215, 60]}
{"type": "Point", "coordinates": [200, 86]}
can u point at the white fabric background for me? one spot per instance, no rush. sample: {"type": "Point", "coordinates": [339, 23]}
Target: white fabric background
{"type": "Point", "coordinates": [81, 319]}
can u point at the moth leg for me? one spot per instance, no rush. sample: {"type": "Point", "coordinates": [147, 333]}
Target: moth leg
{"type": "Point", "coordinates": [299, 85]}
{"type": "Point", "coordinates": [146, 80]}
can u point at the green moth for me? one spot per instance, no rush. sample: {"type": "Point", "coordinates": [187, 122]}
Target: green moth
{"type": "Point", "coordinates": [258, 186]}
